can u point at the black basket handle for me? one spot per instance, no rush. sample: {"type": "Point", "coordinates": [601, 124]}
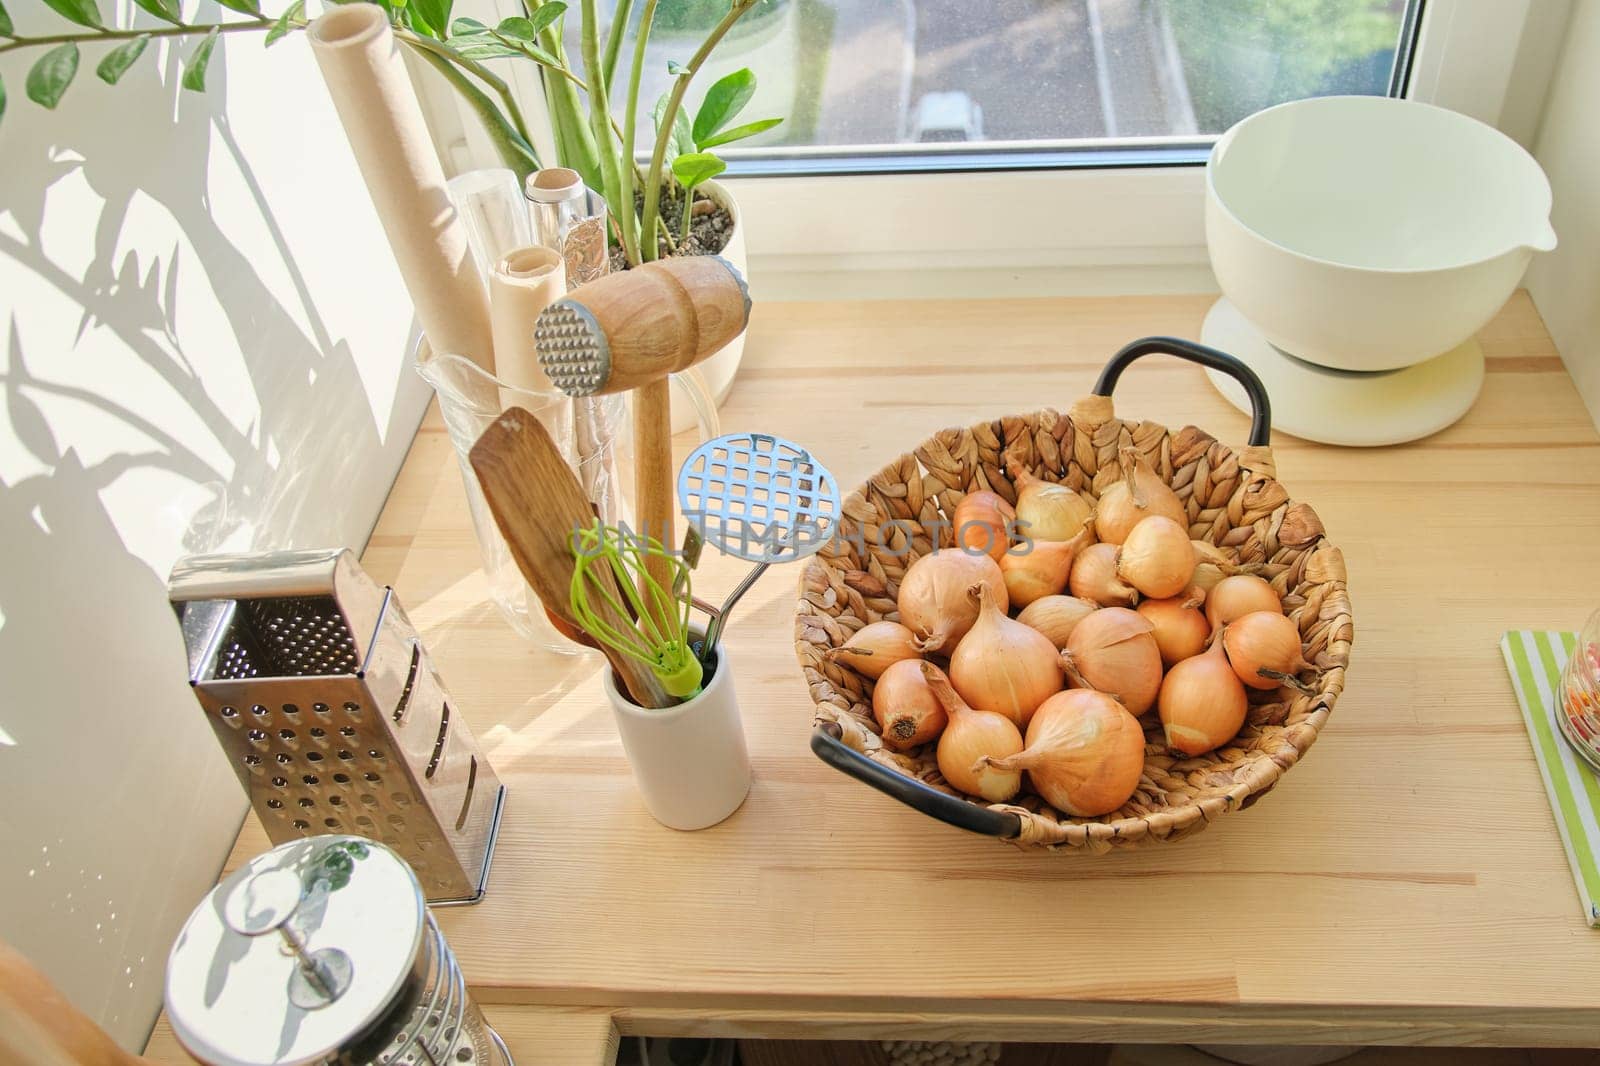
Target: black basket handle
{"type": "Point", "coordinates": [827, 743]}
{"type": "Point", "coordinates": [1260, 406]}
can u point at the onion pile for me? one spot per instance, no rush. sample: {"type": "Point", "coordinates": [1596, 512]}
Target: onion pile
{"type": "Point", "coordinates": [1155, 622]}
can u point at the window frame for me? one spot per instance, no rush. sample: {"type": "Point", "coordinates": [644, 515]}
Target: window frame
{"type": "Point", "coordinates": [981, 232]}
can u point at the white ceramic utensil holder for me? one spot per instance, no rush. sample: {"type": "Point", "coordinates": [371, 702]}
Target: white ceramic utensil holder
{"type": "Point", "coordinates": [690, 761]}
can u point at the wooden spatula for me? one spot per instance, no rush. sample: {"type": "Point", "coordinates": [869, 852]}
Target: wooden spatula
{"type": "Point", "coordinates": [537, 503]}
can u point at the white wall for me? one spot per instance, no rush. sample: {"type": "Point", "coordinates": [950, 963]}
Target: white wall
{"type": "Point", "coordinates": [202, 343]}
{"type": "Point", "coordinates": [1565, 284]}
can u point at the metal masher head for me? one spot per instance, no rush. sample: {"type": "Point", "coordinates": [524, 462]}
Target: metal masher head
{"type": "Point", "coordinates": [758, 497]}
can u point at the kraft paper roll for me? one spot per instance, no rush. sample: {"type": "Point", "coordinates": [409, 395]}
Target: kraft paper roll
{"type": "Point", "coordinates": [525, 281]}
{"type": "Point", "coordinates": [360, 61]}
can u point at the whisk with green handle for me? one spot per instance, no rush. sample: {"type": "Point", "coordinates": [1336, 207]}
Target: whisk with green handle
{"type": "Point", "coordinates": [659, 635]}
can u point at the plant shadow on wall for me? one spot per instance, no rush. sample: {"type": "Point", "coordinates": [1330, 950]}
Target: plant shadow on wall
{"type": "Point", "coordinates": [173, 387]}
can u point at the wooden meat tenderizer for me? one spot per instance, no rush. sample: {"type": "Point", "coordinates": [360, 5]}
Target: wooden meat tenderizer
{"type": "Point", "coordinates": [630, 331]}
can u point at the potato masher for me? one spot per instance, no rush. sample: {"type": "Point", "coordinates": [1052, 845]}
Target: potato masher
{"type": "Point", "coordinates": [759, 498]}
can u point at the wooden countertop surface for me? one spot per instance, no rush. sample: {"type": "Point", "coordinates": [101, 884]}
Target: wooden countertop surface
{"type": "Point", "coordinates": [1404, 884]}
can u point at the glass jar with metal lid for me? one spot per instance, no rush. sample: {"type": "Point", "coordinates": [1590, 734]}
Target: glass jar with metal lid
{"type": "Point", "coordinates": [323, 951]}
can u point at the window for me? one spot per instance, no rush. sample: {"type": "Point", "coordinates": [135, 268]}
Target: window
{"type": "Point", "coordinates": [886, 85]}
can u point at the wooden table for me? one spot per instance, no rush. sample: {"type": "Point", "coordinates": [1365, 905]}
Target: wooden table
{"type": "Point", "coordinates": [1404, 885]}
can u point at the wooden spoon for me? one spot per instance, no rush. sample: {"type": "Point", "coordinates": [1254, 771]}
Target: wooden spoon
{"type": "Point", "coordinates": [537, 503]}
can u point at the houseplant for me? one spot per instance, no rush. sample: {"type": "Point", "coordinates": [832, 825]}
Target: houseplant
{"type": "Point", "coordinates": [650, 200]}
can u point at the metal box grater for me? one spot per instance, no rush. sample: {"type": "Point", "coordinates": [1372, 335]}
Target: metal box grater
{"type": "Point", "coordinates": [329, 709]}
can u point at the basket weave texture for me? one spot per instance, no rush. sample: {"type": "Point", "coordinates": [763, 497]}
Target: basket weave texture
{"type": "Point", "coordinates": [1233, 500]}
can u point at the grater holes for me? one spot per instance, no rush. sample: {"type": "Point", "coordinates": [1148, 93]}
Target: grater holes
{"type": "Point", "coordinates": [347, 731]}
{"type": "Point", "coordinates": [257, 736]}
{"type": "Point", "coordinates": [352, 708]}
{"type": "Point", "coordinates": [258, 710]}
{"type": "Point", "coordinates": [280, 782]}
{"type": "Point", "coordinates": [291, 709]}
{"type": "Point", "coordinates": [286, 735]}
{"type": "Point", "coordinates": [331, 823]}
{"type": "Point", "coordinates": [346, 754]}
{"type": "Point", "coordinates": [336, 801]}
{"type": "Point", "coordinates": [364, 821]}
{"type": "Point", "coordinates": [275, 804]}
{"type": "Point", "coordinates": [301, 824]}
{"type": "Point", "coordinates": [284, 758]}
{"type": "Point", "coordinates": [230, 715]}
{"type": "Point", "coordinates": [341, 778]}
{"type": "Point", "coordinates": [253, 761]}
{"type": "Point", "coordinates": [374, 753]}
{"type": "Point", "coordinates": [397, 823]}
{"type": "Point", "coordinates": [306, 802]}
{"type": "Point", "coordinates": [371, 776]}
{"type": "Point", "coordinates": [400, 799]}
{"type": "Point", "coordinates": [317, 732]}
{"type": "Point", "coordinates": [320, 708]}
{"type": "Point", "coordinates": [310, 779]}
{"type": "Point", "coordinates": [368, 799]}
{"type": "Point", "coordinates": [313, 756]}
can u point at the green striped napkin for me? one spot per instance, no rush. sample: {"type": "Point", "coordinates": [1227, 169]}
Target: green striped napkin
{"type": "Point", "coordinates": [1535, 660]}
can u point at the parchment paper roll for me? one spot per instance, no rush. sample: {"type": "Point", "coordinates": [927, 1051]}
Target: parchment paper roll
{"type": "Point", "coordinates": [525, 281]}
{"type": "Point", "coordinates": [378, 107]}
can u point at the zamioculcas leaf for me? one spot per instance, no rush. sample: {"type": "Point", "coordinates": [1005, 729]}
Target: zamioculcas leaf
{"type": "Point", "coordinates": [194, 73]}
{"type": "Point", "coordinates": [244, 7]}
{"type": "Point", "coordinates": [517, 27]}
{"type": "Point", "coordinates": [696, 167]}
{"type": "Point", "coordinates": [436, 13]}
{"type": "Point", "coordinates": [739, 133]}
{"type": "Point", "coordinates": [546, 15]}
{"type": "Point", "coordinates": [723, 102]}
{"type": "Point", "coordinates": [83, 12]}
{"type": "Point", "coordinates": [51, 75]}
{"type": "Point", "coordinates": [6, 28]}
{"type": "Point", "coordinates": [675, 68]}
{"type": "Point", "coordinates": [120, 58]}
{"type": "Point", "coordinates": [462, 27]}
{"type": "Point", "coordinates": [480, 46]}
{"type": "Point", "coordinates": [2, 99]}
{"type": "Point", "coordinates": [162, 9]}
{"type": "Point", "coordinates": [282, 26]}
{"type": "Point", "coordinates": [679, 140]}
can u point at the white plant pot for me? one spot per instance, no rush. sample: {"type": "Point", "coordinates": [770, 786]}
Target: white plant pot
{"type": "Point", "coordinates": [690, 761]}
{"type": "Point", "coordinates": [719, 370]}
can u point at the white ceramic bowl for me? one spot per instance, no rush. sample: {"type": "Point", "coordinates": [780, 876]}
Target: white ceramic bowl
{"type": "Point", "coordinates": [1366, 233]}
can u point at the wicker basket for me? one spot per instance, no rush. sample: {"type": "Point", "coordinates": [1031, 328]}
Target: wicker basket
{"type": "Point", "coordinates": [1233, 499]}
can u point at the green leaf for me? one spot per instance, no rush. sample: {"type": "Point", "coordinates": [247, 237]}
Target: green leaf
{"type": "Point", "coordinates": [282, 25]}
{"type": "Point", "coordinates": [6, 28]}
{"type": "Point", "coordinates": [194, 73]}
{"type": "Point", "coordinates": [465, 27]}
{"type": "Point", "coordinates": [739, 133]}
{"type": "Point", "coordinates": [163, 9]}
{"type": "Point", "coordinates": [83, 12]}
{"type": "Point", "coordinates": [679, 140]}
{"type": "Point", "coordinates": [520, 28]}
{"type": "Point", "coordinates": [119, 59]}
{"type": "Point", "coordinates": [696, 167]}
{"type": "Point", "coordinates": [435, 13]}
{"type": "Point", "coordinates": [244, 7]}
{"type": "Point", "coordinates": [676, 68]}
{"type": "Point", "coordinates": [723, 102]}
{"type": "Point", "coordinates": [51, 75]}
{"type": "Point", "coordinates": [547, 14]}
{"type": "Point", "coordinates": [480, 46]}
{"type": "Point", "coordinates": [2, 99]}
